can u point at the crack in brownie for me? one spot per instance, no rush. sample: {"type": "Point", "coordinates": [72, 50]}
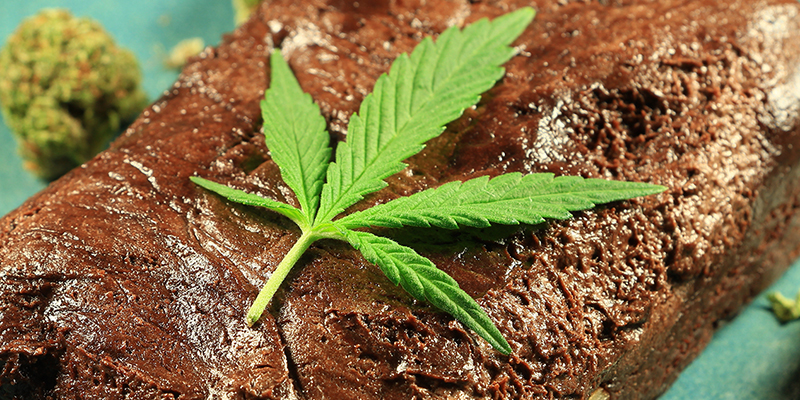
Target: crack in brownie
{"type": "Point", "coordinates": [125, 280]}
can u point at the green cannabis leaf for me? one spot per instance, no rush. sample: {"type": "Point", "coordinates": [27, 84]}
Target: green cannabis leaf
{"type": "Point", "coordinates": [408, 106]}
{"type": "Point", "coordinates": [507, 199]}
{"type": "Point", "coordinates": [420, 277]}
{"type": "Point", "coordinates": [295, 134]}
{"type": "Point", "coordinates": [252, 200]}
{"type": "Point", "coordinates": [413, 103]}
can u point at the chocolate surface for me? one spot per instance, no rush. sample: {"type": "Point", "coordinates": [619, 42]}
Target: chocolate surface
{"type": "Point", "coordinates": [125, 280]}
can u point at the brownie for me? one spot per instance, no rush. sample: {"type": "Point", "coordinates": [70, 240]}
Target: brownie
{"type": "Point", "coordinates": [125, 280]}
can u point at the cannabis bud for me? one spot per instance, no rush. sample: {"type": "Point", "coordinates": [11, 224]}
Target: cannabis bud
{"type": "Point", "coordinates": [65, 88]}
{"type": "Point", "coordinates": [243, 9]}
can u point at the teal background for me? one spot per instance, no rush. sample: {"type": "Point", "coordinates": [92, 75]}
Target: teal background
{"type": "Point", "coordinates": [753, 357]}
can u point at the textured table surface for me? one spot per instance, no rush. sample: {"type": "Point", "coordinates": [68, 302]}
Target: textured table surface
{"type": "Point", "coordinates": [753, 357]}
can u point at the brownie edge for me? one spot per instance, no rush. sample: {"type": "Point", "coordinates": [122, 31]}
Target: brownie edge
{"type": "Point", "coordinates": [124, 280]}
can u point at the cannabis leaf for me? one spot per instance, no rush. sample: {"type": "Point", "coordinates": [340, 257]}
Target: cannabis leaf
{"type": "Point", "coordinates": [507, 199]}
{"type": "Point", "coordinates": [420, 277]}
{"type": "Point", "coordinates": [251, 199]}
{"type": "Point", "coordinates": [408, 106]}
{"type": "Point", "coordinates": [413, 103]}
{"type": "Point", "coordinates": [295, 134]}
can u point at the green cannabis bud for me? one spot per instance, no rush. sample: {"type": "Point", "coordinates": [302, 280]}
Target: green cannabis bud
{"type": "Point", "coordinates": [183, 51]}
{"type": "Point", "coordinates": [243, 9]}
{"type": "Point", "coordinates": [65, 89]}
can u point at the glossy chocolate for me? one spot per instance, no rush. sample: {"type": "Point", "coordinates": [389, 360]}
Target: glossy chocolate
{"type": "Point", "coordinates": [125, 280]}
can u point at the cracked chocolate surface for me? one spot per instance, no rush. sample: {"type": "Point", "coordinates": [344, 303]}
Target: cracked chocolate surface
{"type": "Point", "coordinates": [124, 280]}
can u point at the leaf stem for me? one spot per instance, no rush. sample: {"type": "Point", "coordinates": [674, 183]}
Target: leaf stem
{"type": "Point", "coordinates": [274, 281]}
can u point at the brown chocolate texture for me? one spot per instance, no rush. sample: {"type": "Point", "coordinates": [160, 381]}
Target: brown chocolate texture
{"type": "Point", "coordinates": [124, 280]}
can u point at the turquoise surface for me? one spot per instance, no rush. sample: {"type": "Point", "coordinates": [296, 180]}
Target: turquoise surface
{"type": "Point", "coordinates": [753, 357]}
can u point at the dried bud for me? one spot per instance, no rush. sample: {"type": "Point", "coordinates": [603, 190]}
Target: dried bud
{"type": "Point", "coordinates": [243, 9]}
{"type": "Point", "coordinates": [65, 90]}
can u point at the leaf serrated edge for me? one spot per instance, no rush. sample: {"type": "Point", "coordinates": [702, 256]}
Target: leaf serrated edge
{"type": "Point", "coordinates": [345, 185]}
{"type": "Point", "coordinates": [296, 137]}
{"type": "Point", "coordinates": [424, 281]}
{"type": "Point", "coordinates": [512, 199]}
{"type": "Point", "coordinates": [242, 197]}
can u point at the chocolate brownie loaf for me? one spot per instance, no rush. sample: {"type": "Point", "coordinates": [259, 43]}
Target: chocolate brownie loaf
{"type": "Point", "coordinates": [125, 280]}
